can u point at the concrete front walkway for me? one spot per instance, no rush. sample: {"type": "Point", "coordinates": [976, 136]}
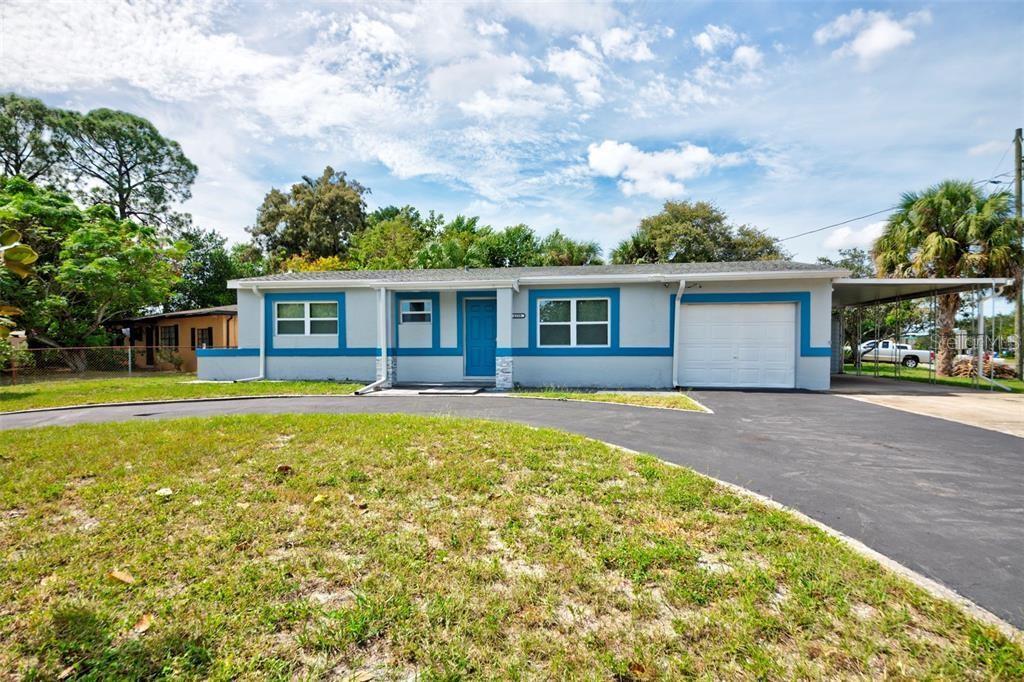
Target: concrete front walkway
{"type": "Point", "coordinates": [944, 499]}
{"type": "Point", "coordinates": [996, 410]}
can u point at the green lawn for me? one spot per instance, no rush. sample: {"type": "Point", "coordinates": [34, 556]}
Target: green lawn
{"type": "Point", "coordinates": [676, 401]}
{"type": "Point", "coordinates": [921, 374]}
{"type": "Point", "coordinates": [389, 546]}
{"type": "Point", "coordinates": [155, 387]}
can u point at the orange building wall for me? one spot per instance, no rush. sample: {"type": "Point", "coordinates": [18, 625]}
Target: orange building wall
{"type": "Point", "coordinates": [225, 335]}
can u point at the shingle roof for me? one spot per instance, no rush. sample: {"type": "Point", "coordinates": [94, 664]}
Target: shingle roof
{"type": "Point", "coordinates": [216, 310]}
{"type": "Point", "coordinates": [478, 274]}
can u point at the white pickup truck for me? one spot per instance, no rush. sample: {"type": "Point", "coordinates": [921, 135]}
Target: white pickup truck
{"type": "Point", "coordinates": [890, 351]}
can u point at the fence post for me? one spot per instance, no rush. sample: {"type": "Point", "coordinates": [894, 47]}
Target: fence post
{"type": "Point", "coordinates": [130, 361]}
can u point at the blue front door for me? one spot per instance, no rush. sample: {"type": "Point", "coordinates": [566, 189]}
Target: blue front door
{"type": "Point", "coordinates": [481, 336]}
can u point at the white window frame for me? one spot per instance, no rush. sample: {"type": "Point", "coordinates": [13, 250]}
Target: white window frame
{"type": "Point", "coordinates": [306, 319]}
{"type": "Point", "coordinates": [573, 322]}
{"type": "Point", "coordinates": [428, 310]}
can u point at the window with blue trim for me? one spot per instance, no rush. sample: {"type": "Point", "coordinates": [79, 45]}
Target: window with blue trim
{"type": "Point", "coordinates": [416, 310]}
{"type": "Point", "coordinates": [573, 322]}
{"type": "Point", "coordinates": [307, 318]}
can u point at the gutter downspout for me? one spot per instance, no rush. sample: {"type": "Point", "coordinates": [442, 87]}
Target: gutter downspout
{"type": "Point", "coordinates": [675, 333]}
{"type": "Point", "coordinates": [263, 350]}
{"type": "Point", "coordinates": [382, 343]}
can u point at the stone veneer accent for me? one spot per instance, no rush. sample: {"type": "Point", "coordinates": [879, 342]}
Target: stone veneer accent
{"type": "Point", "coordinates": [391, 369]}
{"type": "Point", "coordinates": [503, 373]}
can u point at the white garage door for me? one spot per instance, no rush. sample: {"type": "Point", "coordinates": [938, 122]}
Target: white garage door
{"type": "Point", "coordinates": [737, 344]}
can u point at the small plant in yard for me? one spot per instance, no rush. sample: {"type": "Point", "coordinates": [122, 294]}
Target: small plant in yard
{"type": "Point", "coordinates": [393, 547]}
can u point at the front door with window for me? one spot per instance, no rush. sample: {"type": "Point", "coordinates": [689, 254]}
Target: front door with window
{"type": "Point", "coordinates": [481, 337]}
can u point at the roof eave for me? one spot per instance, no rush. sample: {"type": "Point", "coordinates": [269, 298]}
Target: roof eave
{"type": "Point", "coordinates": [527, 280]}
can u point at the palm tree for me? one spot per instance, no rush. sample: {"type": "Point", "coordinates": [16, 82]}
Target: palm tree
{"type": "Point", "coordinates": [950, 230]}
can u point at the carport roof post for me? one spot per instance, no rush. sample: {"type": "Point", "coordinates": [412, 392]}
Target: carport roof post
{"type": "Point", "coordinates": [862, 292]}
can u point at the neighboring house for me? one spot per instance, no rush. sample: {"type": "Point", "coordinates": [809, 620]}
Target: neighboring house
{"type": "Point", "coordinates": [166, 340]}
{"type": "Point", "coordinates": [742, 324]}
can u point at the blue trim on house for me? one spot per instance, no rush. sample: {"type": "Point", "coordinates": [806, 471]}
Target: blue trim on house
{"type": "Point", "coordinates": [536, 295]}
{"type": "Point", "coordinates": [227, 352]}
{"type": "Point", "coordinates": [435, 318]}
{"type": "Point", "coordinates": [460, 308]}
{"type": "Point", "coordinates": [801, 298]}
{"type": "Point", "coordinates": [270, 320]}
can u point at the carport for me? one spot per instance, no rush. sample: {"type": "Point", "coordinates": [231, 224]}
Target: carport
{"type": "Point", "coordinates": [858, 315]}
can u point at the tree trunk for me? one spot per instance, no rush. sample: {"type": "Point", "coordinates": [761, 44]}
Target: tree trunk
{"type": "Point", "coordinates": [949, 304]}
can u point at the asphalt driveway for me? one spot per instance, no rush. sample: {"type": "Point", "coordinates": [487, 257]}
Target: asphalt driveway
{"type": "Point", "coordinates": [944, 499]}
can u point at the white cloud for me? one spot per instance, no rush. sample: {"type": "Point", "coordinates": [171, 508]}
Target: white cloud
{"type": "Point", "coordinates": [847, 237]}
{"type": "Point", "coordinates": [166, 49]}
{"type": "Point", "coordinates": [990, 147]}
{"type": "Point", "coordinates": [871, 34]}
{"type": "Point", "coordinates": [580, 68]}
{"type": "Point", "coordinates": [625, 43]}
{"type": "Point", "coordinates": [657, 174]}
{"type": "Point", "coordinates": [748, 57]}
{"type": "Point", "coordinates": [490, 28]}
{"type": "Point", "coordinates": [563, 17]}
{"type": "Point", "coordinates": [714, 37]}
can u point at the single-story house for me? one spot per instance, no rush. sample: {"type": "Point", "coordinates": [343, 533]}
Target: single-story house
{"type": "Point", "coordinates": [163, 340]}
{"type": "Point", "coordinates": [739, 324]}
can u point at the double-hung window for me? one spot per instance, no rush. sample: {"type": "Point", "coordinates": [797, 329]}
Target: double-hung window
{"type": "Point", "coordinates": [416, 310]}
{"type": "Point", "coordinates": [572, 322]}
{"type": "Point", "coordinates": [312, 318]}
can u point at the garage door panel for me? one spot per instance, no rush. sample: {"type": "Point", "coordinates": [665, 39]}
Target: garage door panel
{"type": "Point", "coordinates": [741, 345]}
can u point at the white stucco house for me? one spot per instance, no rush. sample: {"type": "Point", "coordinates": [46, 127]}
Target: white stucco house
{"type": "Point", "coordinates": [741, 324]}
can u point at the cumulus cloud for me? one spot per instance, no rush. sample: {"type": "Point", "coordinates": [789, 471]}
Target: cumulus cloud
{"type": "Point", "coordinates": [584, 70]}
{"type": "Point", "coordinates": [714, 37]}
{"type": "Point", "coordinates": [868, 35]}
{"type": "Point", "coordinates": [748, 57]}
{"type": "Point", "coordinates": [625, 43]}
{"type": "Point", "coordinates": [658, 174]}
{"type": "Point", "coordinates": [847, 237]}
{"type": "Point", "coordinates": [490, 28]}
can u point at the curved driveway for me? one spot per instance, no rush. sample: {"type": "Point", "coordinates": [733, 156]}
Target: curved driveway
{"type": "Point", "coordinates": [944, 499]}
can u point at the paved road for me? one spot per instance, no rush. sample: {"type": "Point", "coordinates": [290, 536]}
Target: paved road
{"type": "Point", "coordinates": [944, 499]}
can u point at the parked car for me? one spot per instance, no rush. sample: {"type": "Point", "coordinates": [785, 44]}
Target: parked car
{"type": "Point", "coordinates": [890, 351]}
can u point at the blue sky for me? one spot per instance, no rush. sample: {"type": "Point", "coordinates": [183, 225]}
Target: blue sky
{"type": "Point", "coordinates": [579, 116]}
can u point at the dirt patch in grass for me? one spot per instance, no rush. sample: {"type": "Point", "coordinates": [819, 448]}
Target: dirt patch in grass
{"type": "Point", "coordinates": [401, 546]}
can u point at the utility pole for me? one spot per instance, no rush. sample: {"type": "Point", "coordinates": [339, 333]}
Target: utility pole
{"type": "Point", "coordinates": [1018, 317]}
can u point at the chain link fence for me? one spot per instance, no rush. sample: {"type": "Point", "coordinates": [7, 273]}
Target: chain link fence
{"type": "Point", "coordinates": [27, 365]}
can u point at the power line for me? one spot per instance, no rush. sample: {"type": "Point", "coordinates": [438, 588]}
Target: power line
{"type": "Point", "coordinates": [884, 210]}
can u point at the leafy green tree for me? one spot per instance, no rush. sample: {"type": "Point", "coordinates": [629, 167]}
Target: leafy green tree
{"type": "Point", "coordinates": [299, 263]}
{"type": "Point", "coordinates": [690, 232]}
{"type": "Point", "coordinates": [636, 248]}
{"type": "Point", "coordinates": [16, 258]}
{"type": "Point", "coordinates": [952, 229]}
{"type": "Point", "coordinates": [127, 164]}
{"type": "Point", "coordinates": [515, 246]}
{"type": "Point", "coordinates": [205, 270]}
{"type": "Point", "coordinates": [247, 260]}
{"type": "Point", "coordinates": [457, 245]}
{"type": "Point", "coordinates": [317, 217]}
{"type": "Point", "coordinates": [32, 140]}
{"type": "Point", "coordinates": [92, 268]}
{"type": "Point", "coordinates": [390, 244]}
{"type": "Point", "coordinates": [558, 249]}
{"type": "Point", "coordinates": [427, 228]}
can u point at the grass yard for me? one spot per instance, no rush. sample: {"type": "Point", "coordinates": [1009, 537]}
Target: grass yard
{"type": "Point", "coordinates": [381, 547]}
{"type": "Point", "coordinates": [156, 387]}
{"type": "Point", "coordinates": [675, 401]}
{"type": "Point", "coordinates": [921, 374]}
